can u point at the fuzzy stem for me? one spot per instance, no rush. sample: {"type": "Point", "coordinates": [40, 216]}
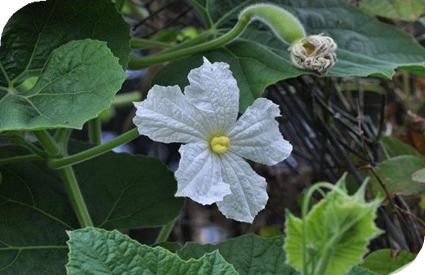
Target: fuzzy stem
{"type": "Point", "coordinates": [284, 25]}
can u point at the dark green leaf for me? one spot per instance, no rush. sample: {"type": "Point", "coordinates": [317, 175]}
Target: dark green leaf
{"type": "Point", "coordinates": [121, 191]}
{"type": "Point", "coordinates": [386, 261]}
{"type": "Point", "coordinates": [396, 173]}
{"type": "Point", "coordinates": [34, 31]}
{"type": "Point", "coordinates": [96, 251]}
{"type": "Point", "coordinates": [172, 247]}
{"type": "Point", "coordinates": [80, 80]}
{"type": "Point", "coordinates": [408, 10]}
{"type": "Point", "coordinates": [258, 59]}
{"type": "Point", "coordinates": [249, 254]}
{"type": "Point", "coordinates": [396, 147]}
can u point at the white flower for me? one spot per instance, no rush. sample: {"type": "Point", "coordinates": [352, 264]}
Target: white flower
{"type": "Point", "coordinates": [315, 53]}
{"type": "Point", "coordinates": [212, 168]}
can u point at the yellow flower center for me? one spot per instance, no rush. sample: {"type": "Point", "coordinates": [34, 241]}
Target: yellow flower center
{"type": "Point", "coordinates": [220, 144]}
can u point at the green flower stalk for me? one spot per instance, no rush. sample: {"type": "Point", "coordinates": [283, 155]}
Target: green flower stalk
{"type": "Point", "coordinates": [315, 53]}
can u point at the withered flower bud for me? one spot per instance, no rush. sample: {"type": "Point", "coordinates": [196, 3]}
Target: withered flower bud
{"type": "Point", "coordinates": [315, 53]}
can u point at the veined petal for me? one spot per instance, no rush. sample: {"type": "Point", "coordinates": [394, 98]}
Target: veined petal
{"type": "Point", "coordinates": [199, 174]}
{"type": "Point", "coordinates": [256, 135]}
{"type": "Point", "coordinates": [214, 91]}
{"type": "Point", "coordinates": [166, 116]}
{"type": "Point", "coordinates": [249, 194]}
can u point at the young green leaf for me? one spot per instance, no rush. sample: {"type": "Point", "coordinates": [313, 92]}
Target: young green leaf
{"type": "Point", "coordinates": [96, 251]}
{"type": "Point", "coordinates": [249, 254]}
{"type": "Point", "coordinates": [80, 80]}
{"type": "Point", "coordinates": [338, 230]}
{"type": "Point", "coordinates": [121, 191]}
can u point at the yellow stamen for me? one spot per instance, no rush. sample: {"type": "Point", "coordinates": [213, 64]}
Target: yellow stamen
{"type": "Point", "coordinates": [220, 144]}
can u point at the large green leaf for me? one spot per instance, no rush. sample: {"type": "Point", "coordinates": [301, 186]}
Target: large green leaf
{"type": "Point", "coordinates": [96, 251]}
{"type": "Point", "coordinates": [252, 254]}
{"type": "Point", "coordinates": [121, 191]}
{"type": "Point", "coordinates": [395, 147]}
{"type": "Point", "coordinates": [258, 59]}
{"type": "Point", "coordinates": [386, 261]}
{"type": "Point", "coordinates": [338, 230]}
{"type": "Point", "coordinates": [409, 10]}
{"type": "Point", "coordinates": [396, 173]}
{"type": "Point", "coordinates": [34, 31]}
{"type": "Point", "coordinates": [249, 254]}
{"type": "Point", "coordinates": [80, 80]}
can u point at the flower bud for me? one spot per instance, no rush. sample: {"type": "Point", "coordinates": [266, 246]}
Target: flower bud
{"type": "Point", "coordinates": [315, 53]}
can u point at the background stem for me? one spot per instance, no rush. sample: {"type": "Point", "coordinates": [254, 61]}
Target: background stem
{"type": "Point", "coordinates": [95, 131]}
{"type": "Point", "coordinates": [165, 232]}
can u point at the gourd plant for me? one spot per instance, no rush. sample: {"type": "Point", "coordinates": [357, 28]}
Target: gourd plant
{"type": "Point", "coordinates": [63, 62]}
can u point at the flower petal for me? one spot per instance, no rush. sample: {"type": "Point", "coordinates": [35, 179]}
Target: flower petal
{"type": "Point", "coordinates": [249, 194]}
{"type": "Point", "coordinates": [256, 135]}
{"type": "Point", "coordinates": [166, 116]}
{"type": "Point", "coordinates": [199, 175]}
{"type": "Point", "coordinates": [214, 91]}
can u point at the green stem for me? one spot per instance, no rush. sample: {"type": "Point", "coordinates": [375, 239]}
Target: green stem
{"type": "Point", "coordinates": [406, 87]}
{"type": "Point", "coordinates": [165, 232]}
{"type": "Point", "coordinates": [61, 137]}
{"type": "Point", "coordinates": [93, 152]}
{"type": "Point", "coordinates": [95, 131]}
{"type": "Point", "coordinates": [304, 210]}
{"type": "Point", "coordinates": [201, 38]}
{"type": "Point", "coordinates": [48, 142]}
{"type": "Point", "coordinates": [20, 159]}
{"type": "Point", "coordinates": [127, 98]}
{"type": "Point", "coordinates": [143, 62]}
{"type": "Point", "coordinates": [140, 43]}
{"type": "Point", "coordinates": [76, 197]}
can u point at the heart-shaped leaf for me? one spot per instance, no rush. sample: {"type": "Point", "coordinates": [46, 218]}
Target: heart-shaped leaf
{"type": "Point", "coordinates": [80, 80]}
{"type": "Point", "coordinates": [96, 251]}
{"type": "Point", "coordinates": [249, 254]}
{"type": "Point", "coordinates": [34, 31]}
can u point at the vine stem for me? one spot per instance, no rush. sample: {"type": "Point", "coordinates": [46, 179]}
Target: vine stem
{"type": "Point", "coordinates": [140, 43]}
{"type": "Point", "coordinates": [18, 159]}
{"type": "Point", "coordinates": [93, 152]}
{"type": "Point", "coordinates": [95, 131]}
{"type": "Point", "coordinates": [143, 62]}
{"type": "Point", "coordinates": [165, 232]}
{"type": "Point", "coordinates": [68, 176]}
{"type": "Point", "coordinates": [48, 142]}
{"type": "Point", "coordinates": [76, 197]}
